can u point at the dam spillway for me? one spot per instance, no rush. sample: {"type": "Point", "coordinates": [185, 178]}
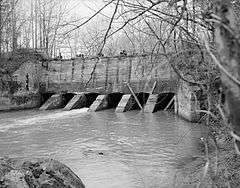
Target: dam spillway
{"type": "Point", "coordinates": [97, 102]}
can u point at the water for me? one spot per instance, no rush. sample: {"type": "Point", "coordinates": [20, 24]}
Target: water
{"type": "Point", "coordinates": [105, 149]}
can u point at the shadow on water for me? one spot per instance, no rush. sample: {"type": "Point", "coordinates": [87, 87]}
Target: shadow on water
{"type": "Point", "coordinates": [106, 149]}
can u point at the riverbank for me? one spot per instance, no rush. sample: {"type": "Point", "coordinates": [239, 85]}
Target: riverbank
{"type": "Point", "coordinates": [20, 101]}
{"type": "Point", "coordinates": [218, 168]}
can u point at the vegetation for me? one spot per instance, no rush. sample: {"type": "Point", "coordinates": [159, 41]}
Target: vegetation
{"type": "Point", "coordinates": [10, 63]}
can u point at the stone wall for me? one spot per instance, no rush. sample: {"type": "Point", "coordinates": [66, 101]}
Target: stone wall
{"type": "Point", "coordinates": [25, 95]}
{"type": "Point", "coordinates": [187, 103]}
{"type": "Point", "coordinates": [20, 101]}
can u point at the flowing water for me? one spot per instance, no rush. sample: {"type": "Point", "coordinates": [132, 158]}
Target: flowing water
{"type": "Point", "coordinates": [105, 149]}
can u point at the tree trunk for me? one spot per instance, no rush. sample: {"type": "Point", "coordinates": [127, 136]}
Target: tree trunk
{"type": "Point", "coordinates": [32, 24]}
{"type": "Point", "coordinates": [14, 38]}
{"type": "Point", "coordinates": [36, 24]}
{"type": "Point", "coordinates": [1, 28]}
{"type": "Point", "coordinates": [229, 50]}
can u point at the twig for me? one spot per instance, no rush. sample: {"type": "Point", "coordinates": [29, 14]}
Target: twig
{"type": "Point", "coordinates": [153, 88]}
{"type": "Point", "coordinates": [135, 97]}
{"type": "Point", "coordinates": [218, 21]}
{"type": "Point", "coordinates": [205, 170]}
{"type": "Point", "coordinates": [169, 59]}
{"type": "Point", "coordinates": [236, 138]}
{"type": "Point", "coordinates": [223, 116]}
{"type": "Point", "coordinates": [169, 104]}
{"type": "Point", "coordinates": [228, 184]}
{"type": "Point", "coordinates": [208, 113]}
{"type": "Point", "coordinates": [89, 18]}
{"type": "Point", "coordinates": [135, 17]}
{"type": "Point", "coordinates": [104, 41]}
{"type": "Point", "coordinates": [219, 64]}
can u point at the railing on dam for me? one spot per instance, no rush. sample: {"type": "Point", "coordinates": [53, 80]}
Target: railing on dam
{"type": "Point", "coordinates": [110, 74]}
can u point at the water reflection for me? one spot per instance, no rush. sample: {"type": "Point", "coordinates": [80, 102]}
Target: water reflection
{"type": "Point", "coordinates": [106, 149]}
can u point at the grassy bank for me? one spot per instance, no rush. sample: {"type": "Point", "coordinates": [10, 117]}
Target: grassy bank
{"type": "Point", "coordinates": [217, 167]}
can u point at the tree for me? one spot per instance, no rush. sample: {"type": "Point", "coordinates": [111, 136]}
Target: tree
{"type": "Point", "coordinates": [228, 43]}
{"type": "Point", "coordinates": [8, 40]}
{"type": "Point", "coordinates": [185, 23]}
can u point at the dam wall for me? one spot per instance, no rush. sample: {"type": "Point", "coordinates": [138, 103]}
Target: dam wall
{"type": "Point", "coordinates": [141, 82]}
{"type": "Point", "coordinates": [109, 74]}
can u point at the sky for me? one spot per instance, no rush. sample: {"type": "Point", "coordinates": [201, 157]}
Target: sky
{"type": "Point", "coordinates": [86, 7]}
{"type": "Point", "coordinates": [76, 7]}
{"type": "Point", "coordinates": [79, 10]}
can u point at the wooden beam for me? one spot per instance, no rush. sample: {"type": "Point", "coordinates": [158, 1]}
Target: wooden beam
{"type": "Point", "coordinates": [135, 97]}
{"type": "Point", "coordinates": [169, 104]}
{"type": "Point", "coordinates": [153, 88]}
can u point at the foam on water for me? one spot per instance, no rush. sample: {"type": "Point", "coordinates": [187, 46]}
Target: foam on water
{"type": "Point", "coordinates": [42, 118]}
{"type": "Point", "coordinates": [5, 127]}
{"type": "Point", "coordinates": [52, 116]}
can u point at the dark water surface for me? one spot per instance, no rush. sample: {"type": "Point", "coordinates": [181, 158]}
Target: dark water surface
{"type": "Point", "coordinates": [105, 149]}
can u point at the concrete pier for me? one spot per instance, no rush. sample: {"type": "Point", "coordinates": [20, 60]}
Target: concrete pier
{"type": "Point", "coordinates": [158, 102]}
{"type": "Point", "coordinates": [104, 102]}
{"type": "Point", "coordinates": [57, 101]}
{"type": "Point", "coordinates": [128, 102]}
{"type": "Point", "coordinates": [99, 104]}
{"type": "Point", "coordinates": [54, 102]}
{"type": "Point", "coordinates": [188, 102]}
{"type": "Point", "coordinates": [125, 103]}
{"type": "Point", "coordinates": [81, 100]}
{"type": "Point", "coordinates": [46, 96]}
{"type": "Point", "coordinates": [151, 105]}
{"type": "Point", "coordinates": [78, 101]}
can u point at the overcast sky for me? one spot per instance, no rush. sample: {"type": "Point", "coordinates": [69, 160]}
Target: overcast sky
{"type": "Point", "coordinates": [86, 7]}
{"type": "Point", "coordinates": [79, 10]}
{"type": "Point", "coordinates": [76, 7]}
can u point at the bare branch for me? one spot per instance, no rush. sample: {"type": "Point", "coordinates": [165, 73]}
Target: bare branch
{"type": "Point", "coordinates": [235, 80]}
{"type": "Point", "coordinates": [104, 41]}
{"type": "Point", "coordinates": [77, 27]}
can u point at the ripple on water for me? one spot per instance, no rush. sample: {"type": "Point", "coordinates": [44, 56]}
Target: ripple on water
{"type": "Point", "coordinates": [105, 149]}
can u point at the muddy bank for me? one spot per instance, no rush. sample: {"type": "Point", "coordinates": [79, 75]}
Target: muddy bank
{"type": "Point", "coordinates": [217, 169]}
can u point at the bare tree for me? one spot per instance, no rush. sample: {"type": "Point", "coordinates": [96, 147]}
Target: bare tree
{"type": "Point", "coordinates": [182, 41]}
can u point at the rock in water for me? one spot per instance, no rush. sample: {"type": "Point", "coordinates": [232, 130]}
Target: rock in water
{"type": "Point", "coordinates": [37, 173]}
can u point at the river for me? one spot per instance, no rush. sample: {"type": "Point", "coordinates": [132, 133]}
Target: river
{"type": "Point", "coordinates": [105, 149]}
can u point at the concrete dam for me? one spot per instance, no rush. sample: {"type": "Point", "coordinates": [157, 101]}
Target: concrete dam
{"type": "Point", "coordinates": [137, 82]}
{"type": "Point", "coordinates": [142, 82]}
